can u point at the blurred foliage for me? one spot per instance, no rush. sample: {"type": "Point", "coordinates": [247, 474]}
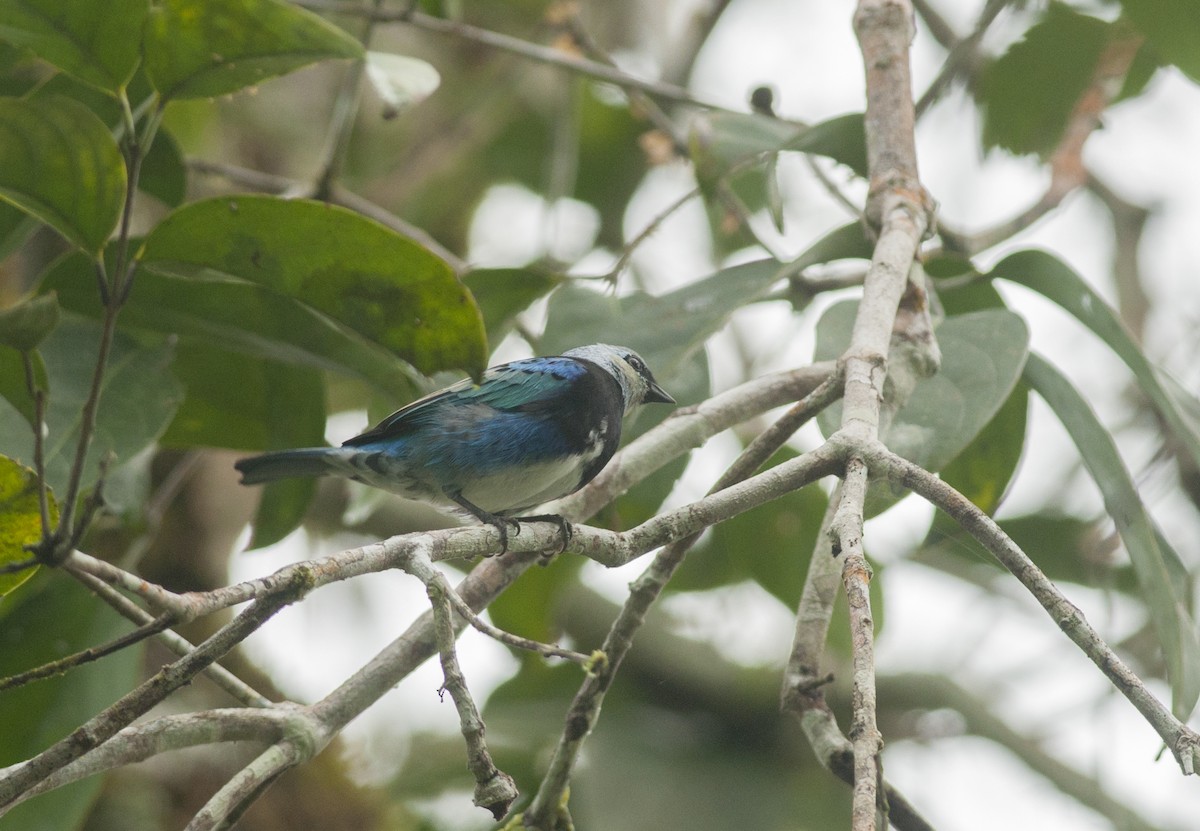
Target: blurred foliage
{"type": "Point", "coordinates": [254, 315]}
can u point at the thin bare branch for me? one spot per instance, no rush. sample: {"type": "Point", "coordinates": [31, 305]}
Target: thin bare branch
{"type": "Point", "coordinates": [1183, 742]}
{"type": "Point", "coordinates": [495, 790]}
{"type": "Point", "coordinates": [497, 40]}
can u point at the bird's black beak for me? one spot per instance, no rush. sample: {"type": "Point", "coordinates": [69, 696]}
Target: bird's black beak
{"type": "Point", "coordinates": [657, 395]}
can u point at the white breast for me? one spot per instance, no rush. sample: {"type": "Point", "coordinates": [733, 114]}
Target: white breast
{"type": "Point", "coordinates": [518, 490]}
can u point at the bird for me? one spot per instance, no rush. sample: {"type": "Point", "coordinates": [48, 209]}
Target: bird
{"type": "Point", "coordinates": [531, 431]}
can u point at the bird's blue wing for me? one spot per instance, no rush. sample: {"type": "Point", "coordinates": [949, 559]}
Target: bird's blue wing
{"type": "Point", "coordinates": [526, 385]}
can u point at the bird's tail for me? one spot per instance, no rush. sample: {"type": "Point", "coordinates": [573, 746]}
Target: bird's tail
{"type": "Point", "coordinates": [312, 461]}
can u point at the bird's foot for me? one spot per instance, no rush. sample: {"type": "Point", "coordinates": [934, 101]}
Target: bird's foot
{"type": "Point", "coordinates": [564, 528]}
{"type": "Point", "coordinates": [501, 523]}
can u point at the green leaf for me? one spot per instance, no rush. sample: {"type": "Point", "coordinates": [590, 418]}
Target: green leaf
{"type": "Point", "coordinates": [1155, 562]}
{"type": "Point", "coordinates": [164, 172]}
{"type": "Point", "coordinates": [206, 48]}
{"type": "Point", "coordinates": [230, 313]}
{"type": "Point", "coordinates": [982, 356]}
{"type": "Point", "coordinates": [365, 276]}
{"type": "Point", "coordinates": [14, 387]}
{"type": "Point", "coordinates": [49, 619]}
{"type": "Point", "coordinates": [983, 470]}
{"type": "Point", "coordinates": [719, 140]}
{"type": "Point", "coordinates": [1058, 282]}
{"type": "Point", "coordinates": [247, 403]}
{"type": "Point", "coordinates": [20, 519]}
{"type": "Point", "coordinates": [59, 163]}
{"type": "Point", "coordinates": [847, 242]}
{"type": "Point", "coordinates": [529, 607]}
{"type": "Point", "coordinates": [503, 293]}
{"type": "Point", "coordinates": [843, 139]}
{"type": "Point", "coordinates": [98, 43]}
{"type": "Point", "coordinates": [1172, 27]}
{"type": "Point", "coordinates": [665, 329]}
{"type": "Point", "coordinates": [1028, 93]}
{"type": "Point", "coordinates": [742, 148]}
{"type": "Point", "coordinates": [137, 402]}
{"type": "Point", "coordinates": [16, 227]}
{"type": "Point", "coordinates": [1065, 548]}
{"type": "Point", "coordinates": [771, 545]}
{"type": "Point", "coordinates": [26, 324]}
{"type": "Point", "coordinates": [226, 403]}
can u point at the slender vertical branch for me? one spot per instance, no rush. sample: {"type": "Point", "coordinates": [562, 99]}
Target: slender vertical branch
{"type": "Point", "coordinates": [38, 395]}
{"type": "Point", "coordinates": [114, 287]}
{"type": "Point", "coordinates": [495, 790]}
{"type": "Point", "coordinates": [847, 530]}
{"type": "Point", "coordinates": [901, 210]}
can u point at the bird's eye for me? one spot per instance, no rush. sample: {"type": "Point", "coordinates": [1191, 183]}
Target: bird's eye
{"type": "Point", "coordinates": [635, 362]}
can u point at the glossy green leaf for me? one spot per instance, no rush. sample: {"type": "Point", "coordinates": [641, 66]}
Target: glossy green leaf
{"type": "Point", "coordinates": [138, 399]}
{"type": "Point", "coordinates": [1028, 93]}
{"type": "Point", "coordinates": [982, 356]}
{"type": "Point", "coordinates": [206, 48]}
{"type": "Point", "coordinates": [59, 163]}
{"type": "Point", "coordinates": [96, 42]}
{"type": "Point", "coordinates": [1058, 282]}
{"type": "Point", "coordinates": [164, 172]}
{"type": "Point", "coordinates": [48, 619]}
{"type": "Point", "coordinates": [294, 398]}
{"type": "Point", "coordinates": [1172, 27]}
{"type": "Point", "coordinates": [25, 325]}
{"type": "Point", "coordinates": [20, 519]}
{"type": "Point", "coordinates": [1155, 562]}
{"type": "Point", "coordinates": [233, 314]}
{"type": "Point", "coordinates": [359, 273]}
{"type": "Point", "coordinates": [503, 293]}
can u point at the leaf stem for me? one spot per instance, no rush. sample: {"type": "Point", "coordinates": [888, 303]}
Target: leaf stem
{"type": "Point", "coordinates": [39, 442]}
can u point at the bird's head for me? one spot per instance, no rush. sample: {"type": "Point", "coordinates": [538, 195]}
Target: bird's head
{"type": "Point", "coordinates": [637, 383]}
